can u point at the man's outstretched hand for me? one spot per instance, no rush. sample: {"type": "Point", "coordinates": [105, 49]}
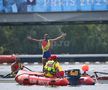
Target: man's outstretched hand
{"type": "Point", "coordinates": [29, 37]}
{"type": "Point", "coordinates": [63, 34]}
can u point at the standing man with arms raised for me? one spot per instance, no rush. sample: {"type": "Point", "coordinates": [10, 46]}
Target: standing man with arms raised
{"type": "Point", "coordinates": [46, 45]}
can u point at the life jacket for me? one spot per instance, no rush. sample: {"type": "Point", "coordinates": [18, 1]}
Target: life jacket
{"type": "Point", "coordinates": [50, 68]}
{"type": "Point", "coordinates": [45, 45]}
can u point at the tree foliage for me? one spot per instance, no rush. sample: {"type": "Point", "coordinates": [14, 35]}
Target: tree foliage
{"type": "Point", "coordinates": [84, 38]}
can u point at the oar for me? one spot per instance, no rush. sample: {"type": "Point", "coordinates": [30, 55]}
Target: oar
{"type": "Point", "coordinates": [27, 68]}
{"type": "Point", "coordinates": [96, 76]}
{"type": "Point", "coordinates": [101, 72]}
{"type": "Point", "coordinates": [7, 76]}
{"type": "Point", "coordinates": [2, 76]}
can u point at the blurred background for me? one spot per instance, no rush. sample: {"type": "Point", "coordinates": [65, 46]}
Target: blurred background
{"type": "Point", "coordinates": [80, 39]}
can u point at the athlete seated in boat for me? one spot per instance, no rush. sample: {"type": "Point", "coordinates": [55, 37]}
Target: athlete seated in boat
{"type": "Point", "coordinates": [46, 44]}
{"type": "Point", "coordinates": [52, 68]}
{"type": "Point", "coordinates": [16, 66]}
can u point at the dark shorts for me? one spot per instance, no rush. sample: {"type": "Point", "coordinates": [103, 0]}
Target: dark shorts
{"type": "Point", "coordinates": [46, 54]}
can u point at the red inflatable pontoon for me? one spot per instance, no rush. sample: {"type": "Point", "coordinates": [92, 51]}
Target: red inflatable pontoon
{"type": "Point", "coordinates": [87, 80]}
{"type": "Point", "coordinates": [7, 58]}
{"type": "Point", "coordinates": [35, 78]}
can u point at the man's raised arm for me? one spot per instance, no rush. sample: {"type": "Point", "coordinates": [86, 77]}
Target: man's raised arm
{"type": "Point", "coordinates": [34, 39]}
{"type": "Point", "coordinates": [59, 37]}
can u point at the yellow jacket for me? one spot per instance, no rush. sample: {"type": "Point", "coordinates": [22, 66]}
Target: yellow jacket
{"type": "Point", "coordinates": [55, 67]}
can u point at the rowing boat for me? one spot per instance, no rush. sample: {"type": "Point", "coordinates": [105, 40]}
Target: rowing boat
{"type": "Point", "coordinates": [102, 80]}
{"type": "Point", "coordinates": [101, 77]}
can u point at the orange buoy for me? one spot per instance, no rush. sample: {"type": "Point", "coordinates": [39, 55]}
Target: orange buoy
{"type": "Point", "coordinates": [85, 67]}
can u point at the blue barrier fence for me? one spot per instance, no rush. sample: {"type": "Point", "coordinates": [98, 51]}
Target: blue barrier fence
{"type": "Point", "coordinates": [27, 6]}
{"type": "Point", "coordinates": [67, 58]}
